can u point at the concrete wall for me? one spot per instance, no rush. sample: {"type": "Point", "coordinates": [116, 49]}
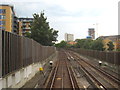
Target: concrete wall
{"type": "Point", "coordinates": [20, 77]}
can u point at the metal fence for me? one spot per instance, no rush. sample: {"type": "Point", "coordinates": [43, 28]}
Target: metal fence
{"type": "Point", "coordinates": [111, 56]}
{"type": "Point", "coordinates": [17, 52]}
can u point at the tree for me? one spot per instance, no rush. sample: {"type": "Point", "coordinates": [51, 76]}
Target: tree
{"type": "Point", "coordinates": [87, 43]}
{"type": "Point", "coordinates": [97, 45]}
{"type": "Point", "coordinates": [110, 46]}
{"type": "Point", "coordinates": [84, 43]}
{"type": "Point", "coordinates": [118, 49]}
{"type": "Point", "coordinates": [90, 44]}
{"type": "Point", "coordinates": [28, 34]}
{"type": "Point", "coordinates": [62, 44]}
{"type": "Point", "coordinates": [80, 43]}
{"type": "Point", "coordinates": [41, 31]}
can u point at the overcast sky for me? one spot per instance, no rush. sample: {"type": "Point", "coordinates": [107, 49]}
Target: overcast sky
{"type": "Point", "coordinates": [73, 16]}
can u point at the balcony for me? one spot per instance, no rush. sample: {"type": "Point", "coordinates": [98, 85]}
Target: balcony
{"type": "Point", "coordinates": [26, 28]}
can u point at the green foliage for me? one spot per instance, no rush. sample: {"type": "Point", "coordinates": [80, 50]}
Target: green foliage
{"type": "Point", "coordinates": [80, 43]}
{"type": "Point", "coordinates": [41, 31]}
{"type": "Point", "coordinates": [62, 44]}
{"type": "Point", "coordinates": [110, 45]}
{"type": "Point", "coordinates": [28, 34]}
{"type": "Point", "coordinates": [97, 45]}
{"type": "Point", "coordinates": [90, 44]}
{"type": "Point", "coordinates": [70, 46]}
{"type": "Point", "coordinates": [87, 44]}
{"type": "Point", "coordinates": [84, 43]}
{"type": "Point", "coordinates": [118, 49]}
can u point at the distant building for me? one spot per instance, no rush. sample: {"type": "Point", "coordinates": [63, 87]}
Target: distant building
{"type": "Point", "coordinates": [11, 23]}
{"type": "Point", "coordinates": [114, 38]}
{"type": "Point", "coordinates": [72, 43]}
{"type": "Point", "coordinates": [91, 32]}
{"type": "Point", "coordinates": [15, 25]}
{"type": "Point", "coordinates": [88, 37]}
{"type": "Point", "coordinates": [69, 37]}
{"type": "Point", "coordinates": [8, 19]}
{"type": "Point", "coordinates": [25, 25]}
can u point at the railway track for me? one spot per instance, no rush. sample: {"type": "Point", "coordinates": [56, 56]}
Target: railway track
{"type": "Point", "coordinates": [115, 77]}
{"type": "Point", "coordinates": [101, 78]}
{"type": "Point", "coordinates": [62, 75]}
{"type": "Point", "coordinates": [110, 76]}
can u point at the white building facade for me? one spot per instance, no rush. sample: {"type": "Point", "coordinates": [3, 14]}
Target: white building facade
{"type": "Point", "coordinates": [69, 37]}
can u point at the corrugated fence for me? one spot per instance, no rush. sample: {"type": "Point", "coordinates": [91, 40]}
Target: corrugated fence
{"type": "Point", "coordinates": [111, 56]}
{"type": "Point", "coordinates": [17, 52]}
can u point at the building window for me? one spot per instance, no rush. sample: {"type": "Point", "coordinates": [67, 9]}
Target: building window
{"type": "Point", "coordinates": [2, 17]}
{"type": "Point", "coordinates": [2, 28]}
{"type": "Point", "coordinates": [2, 22]}
{"type": "Point", "coordinates": [2, 11]}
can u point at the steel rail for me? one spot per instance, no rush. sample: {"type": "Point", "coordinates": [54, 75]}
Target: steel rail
{"type": "Point", "coordinates": [99, 84]}
{"type": "Point", "coordinates": [70, 74]}
{"type": "Point", "coordinates": [53, 79]}
{"type": "Point", "coordinates": [102, 72]}
{"type": "Point", "coordinates": [116, 80]}
{"type": "Point", "coordinates": [71, 79]}
{"type": "Point", "coordinates": [96, 82]}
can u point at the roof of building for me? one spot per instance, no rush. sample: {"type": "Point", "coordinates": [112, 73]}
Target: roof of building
{"type": "Point", "coordinates": [6, 5]}
{"type": "Point", "coordinates": [112, 37]}
{"type": "Point", "coordinates": [71, 42]}
{"type": "Point", "coordinates": [26, 18]}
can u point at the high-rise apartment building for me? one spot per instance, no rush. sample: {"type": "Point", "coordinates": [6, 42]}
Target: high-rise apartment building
{"type": "Point", "coordinates": [69, 37]}
{"type": "Point", "coordinates": [25, 25]}
{"type": "Point", "coordinates": [91, 32]}
{"type": "Point", "coordinates": [11, 23]}
{"type": "Point", "coordinates": [8, 20]}
{"type": "Point", "coordinates": [15, 23]}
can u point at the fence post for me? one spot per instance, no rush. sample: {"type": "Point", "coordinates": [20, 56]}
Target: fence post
{"type": "Point", "coordinates": [0, 53]}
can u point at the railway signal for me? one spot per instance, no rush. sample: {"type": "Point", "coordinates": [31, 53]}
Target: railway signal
{"type": "Point", "coordinates": [41, 71]}
{"type": "Point", "coordinates": [100, 63]}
